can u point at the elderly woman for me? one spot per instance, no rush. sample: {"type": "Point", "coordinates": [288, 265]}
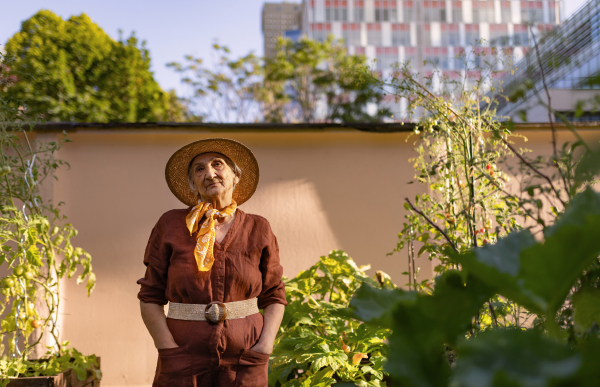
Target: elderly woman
{"type": "Point", "coordinates": [216, 266]}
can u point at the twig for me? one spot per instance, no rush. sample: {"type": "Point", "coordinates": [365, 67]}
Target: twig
{"type": "Point", "coordinates": [539, 59]}
{"type": "Point", "coordinates": [545, 86]}
{"type": "Point", "coordinates": [493, 313]}
{"type": "Point", "coordinates": [534, 169]}
{"type": "Point", "coordinates": [432, 224]}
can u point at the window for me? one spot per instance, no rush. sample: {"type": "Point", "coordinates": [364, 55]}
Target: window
{"type": "Point", "coordinates": [552, 12]}
{"type": "Point", "coordinates": [386, 11]}
{"type": "Point", "coordinates": [386, 57]}
{"type": "Point", "coordinates": [320, 36]}
{"type": "Point", "coordinates": [320, 31]}
{"type": "Point", "coordinates": [408, 11]}
{"type": "Point", "coordinates": [505, 12]}
{"type": "Point", "coordinates": [483, 11]}
{"type": "Point", "coordinates": [521, 36]}
{"type": "Point", "coordinates": [436, 58]}
{"type": "Point", "coordinates": [400, 35]}
{"type": "Point", "coordinates": [434, 11]}
{"type": "Point", "coordinates": [426, 35]}
{"type": "Point", "coordinates": [359, 14]}
{"type": "Point", "coordinates": [410, 56]}
{"type": "Point", "coordinates": [531, 12]}
{"type": "Point", "coordinates": [471, 34]}
{"type": "Point", "coordinates": [336, 14]}
{"type": "Point", "coordinates": [374, 34]}
{"type": "Point", "coordinates": [450, 35]}
{"type": "Point", "coordinates": [351, 34]}
{"type": "Point", "coordinates": [499, 36]}
{"type": "Point", "coordinates": [457, 12]}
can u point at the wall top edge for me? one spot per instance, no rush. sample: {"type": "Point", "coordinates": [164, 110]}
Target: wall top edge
{"type": "Point", "coordinates": [277, 128]}
{"type": "Point", "coordinates": [217, 127]}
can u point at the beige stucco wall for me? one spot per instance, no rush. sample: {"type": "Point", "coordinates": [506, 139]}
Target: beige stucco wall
{"type": "Point", "coordinates": [320, 191]}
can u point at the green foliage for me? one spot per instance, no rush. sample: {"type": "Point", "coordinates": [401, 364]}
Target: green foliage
{"type": "Point", "coordinates": [318, 344]}
{"type": "Point", "coordinates": [308, 71]}
{"type": "Point", "coordinates": [514, 358]}
{"type": "Point", "coordinates": [536, 275]}
{"type": "Point", "coordinates": [73, 71]}
{"type": "Point", "coordinates": [36, 252]}
{"type": "Point", "coordinates": [430, 330]}
{"type": "Point", "coordinates": [286, 88]}
{"type": "Point", "coordinates": [83, 366]}
{"type": "Point", "coordinates": [225, 92]}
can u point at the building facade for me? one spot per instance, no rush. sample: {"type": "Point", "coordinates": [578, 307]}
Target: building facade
{"type": "Point", "coordinates": [394, 31]}
{"type": "Point", "coordinates": [280, 19]}
{"type": "Point", "coordinates": [571, 59]}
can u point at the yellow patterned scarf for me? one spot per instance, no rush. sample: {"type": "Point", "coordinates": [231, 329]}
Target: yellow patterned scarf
{"type": "Point", "coordinates": [207, 233]}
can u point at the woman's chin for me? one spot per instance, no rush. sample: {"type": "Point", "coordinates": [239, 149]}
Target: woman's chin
{"type": "Point", "coordinates": [212, 194]}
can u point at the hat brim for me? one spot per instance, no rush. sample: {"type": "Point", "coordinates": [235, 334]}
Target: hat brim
{"type": "Point", "coordinates": [176, 171]}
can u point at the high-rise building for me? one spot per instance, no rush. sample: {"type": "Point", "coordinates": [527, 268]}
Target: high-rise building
{"type": "Point", "coordinates": [433, 31]}
{"type": "Point", "coordinates": [280, 19]}
{"type": "Point", "coordinates": [572, 76]}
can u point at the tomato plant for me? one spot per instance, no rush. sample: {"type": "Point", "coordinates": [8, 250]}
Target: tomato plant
{"type": "Point", "coordinates": [36, 249]}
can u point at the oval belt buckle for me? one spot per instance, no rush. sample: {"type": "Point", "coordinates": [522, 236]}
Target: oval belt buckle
{"type": "Point", "coordinates": [207, 315]}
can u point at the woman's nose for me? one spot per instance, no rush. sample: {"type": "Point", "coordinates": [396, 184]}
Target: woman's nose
{"type": "Point", "coordinates": [210, 172]}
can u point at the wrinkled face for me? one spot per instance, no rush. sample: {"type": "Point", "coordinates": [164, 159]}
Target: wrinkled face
{"type": "Point", "coordinates": [212, 177]}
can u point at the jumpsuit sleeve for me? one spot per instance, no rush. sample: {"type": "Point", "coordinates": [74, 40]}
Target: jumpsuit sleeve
{"type": "Point", "coordinates": [273, 289]}
{"type": "Point", "coordinates": [156, 259]}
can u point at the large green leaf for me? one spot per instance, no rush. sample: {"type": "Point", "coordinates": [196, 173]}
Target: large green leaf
{"type": "Point", "coordinates": [376, 305]}
{"type": "Point", "coordinates": [587, 168]}
{"type": "Point", "coordinates": [540, 275]}
{"type": "Point", "coordinates": [514, 358]}
{"type": "Point", "coordinates": [589, 372]}
{"type": "Point", "coordinates": [586, 303]}
{"type": "Point", "coordinates": [423, 324]}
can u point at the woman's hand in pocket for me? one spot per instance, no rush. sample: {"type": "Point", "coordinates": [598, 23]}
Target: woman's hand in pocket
{"type": "Point", "coordinates": [169, 347]}
{"type": "Point", "coordinates": [168, 343]}
{"type": "Point", "coordinates": [262, 348]}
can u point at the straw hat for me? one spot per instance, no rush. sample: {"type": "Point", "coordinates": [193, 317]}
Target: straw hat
{"type": "Point", "coordinates": [176, 171]}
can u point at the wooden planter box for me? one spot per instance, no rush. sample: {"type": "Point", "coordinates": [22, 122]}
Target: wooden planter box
{"type": "Point", "coordinates": [64, 379]}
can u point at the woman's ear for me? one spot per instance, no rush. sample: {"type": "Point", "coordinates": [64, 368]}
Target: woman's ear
{"type": "Point", "coordinates": [236, 180]}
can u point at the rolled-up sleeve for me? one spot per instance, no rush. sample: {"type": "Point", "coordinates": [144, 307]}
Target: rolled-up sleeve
{"type": "Point", "coordinates": [273, 289]}
{"type": "Point", "coordinates": [156, 259]}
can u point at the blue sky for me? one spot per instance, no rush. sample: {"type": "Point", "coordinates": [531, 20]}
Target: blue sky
{"type": "Point", "coordinates": [172, 28]}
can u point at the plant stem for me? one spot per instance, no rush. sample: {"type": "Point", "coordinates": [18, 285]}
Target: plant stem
{"type": "Point", "coordinates": [492, 313]}
{"type": "Point", "coordinates": [432, 224]}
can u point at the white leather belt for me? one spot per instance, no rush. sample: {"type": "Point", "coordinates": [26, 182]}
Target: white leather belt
{"type": "Point", "coordinates": [214, 312]}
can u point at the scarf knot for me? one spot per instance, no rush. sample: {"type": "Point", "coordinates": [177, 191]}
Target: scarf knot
{"type": "Point", "coordinates": [205, 241]}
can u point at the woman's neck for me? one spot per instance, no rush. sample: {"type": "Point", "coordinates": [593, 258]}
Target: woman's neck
{"type": "Point", "coordinates": [218, 203]}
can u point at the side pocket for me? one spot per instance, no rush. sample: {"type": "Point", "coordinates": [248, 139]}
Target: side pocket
{"type": "Point", "coordinates": [253, 369]}
{"type": "Point", "coordinates": [173, 367]}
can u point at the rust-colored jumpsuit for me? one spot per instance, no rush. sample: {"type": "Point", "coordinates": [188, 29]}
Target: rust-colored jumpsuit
{"type": "Point", "coordinates": [246, 266]}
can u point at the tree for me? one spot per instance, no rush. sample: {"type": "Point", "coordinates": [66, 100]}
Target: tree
{"type": "Point", "coordinates": [225, 92]}
{"type": "Point", "coordinates": [293, 87]}
{"type": "Point", "coordinates": [309, 74]}
{"type": "Point", "coordinates": [73, 71]}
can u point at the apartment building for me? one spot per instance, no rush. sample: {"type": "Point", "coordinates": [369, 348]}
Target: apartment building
{"type": "Point", "coordinates": [433, 31]}
{"type": "Point", "coordinates": [280, 19]}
